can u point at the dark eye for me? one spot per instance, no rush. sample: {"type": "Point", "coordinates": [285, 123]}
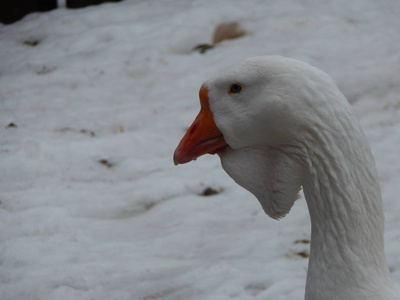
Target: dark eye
{"type": "Point", "coordinates": [235, 88]}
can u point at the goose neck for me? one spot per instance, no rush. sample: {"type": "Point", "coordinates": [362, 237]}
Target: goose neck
{"type": "Point", "coordinates": [344, 200]}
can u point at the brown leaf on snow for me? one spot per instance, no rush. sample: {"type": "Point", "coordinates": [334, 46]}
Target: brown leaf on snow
{"type": "Point", "coordinates": [226, 31]}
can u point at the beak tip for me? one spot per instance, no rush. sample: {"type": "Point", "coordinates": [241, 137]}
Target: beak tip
{"type": "Point", "coordinates": [176, 157]}
{"type": "Point", "coordinates": [179, 158]}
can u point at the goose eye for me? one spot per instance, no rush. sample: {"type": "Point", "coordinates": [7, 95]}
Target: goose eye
{"type": "Point", "coordinates": [235, 88]}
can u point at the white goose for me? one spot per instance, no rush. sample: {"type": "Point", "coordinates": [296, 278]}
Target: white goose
{"type": "Point", "coordinates": [279, 124]}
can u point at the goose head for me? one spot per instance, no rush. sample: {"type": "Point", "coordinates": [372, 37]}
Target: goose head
{"type": "Point", "coordinates": [253, 115]}
{"type": "Point", "coordinates": [256, 103]}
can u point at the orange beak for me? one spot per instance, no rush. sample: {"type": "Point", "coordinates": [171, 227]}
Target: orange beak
{"type": "Point", "coordinates": [202, 137]}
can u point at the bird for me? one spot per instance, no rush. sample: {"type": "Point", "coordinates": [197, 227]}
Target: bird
{"type": "Point", "coordinates": [280, 125]}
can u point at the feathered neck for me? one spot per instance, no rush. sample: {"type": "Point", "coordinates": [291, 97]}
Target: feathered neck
{"type": "Point", "coordinates": [341, 187]}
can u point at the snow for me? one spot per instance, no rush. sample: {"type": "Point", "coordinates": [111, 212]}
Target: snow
{"type": "Point", "coordinates": [92, 206]}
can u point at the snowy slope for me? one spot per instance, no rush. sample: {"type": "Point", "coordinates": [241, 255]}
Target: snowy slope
{"type": "Point", "coordinates": [92, 206]}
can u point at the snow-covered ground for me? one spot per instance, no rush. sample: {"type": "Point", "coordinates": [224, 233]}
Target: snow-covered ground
{"type": "Point", "coordinates": [91, 205]}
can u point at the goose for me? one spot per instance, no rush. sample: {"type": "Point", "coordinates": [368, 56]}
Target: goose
{"type": "Point", "coordinates": [279, 125]}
